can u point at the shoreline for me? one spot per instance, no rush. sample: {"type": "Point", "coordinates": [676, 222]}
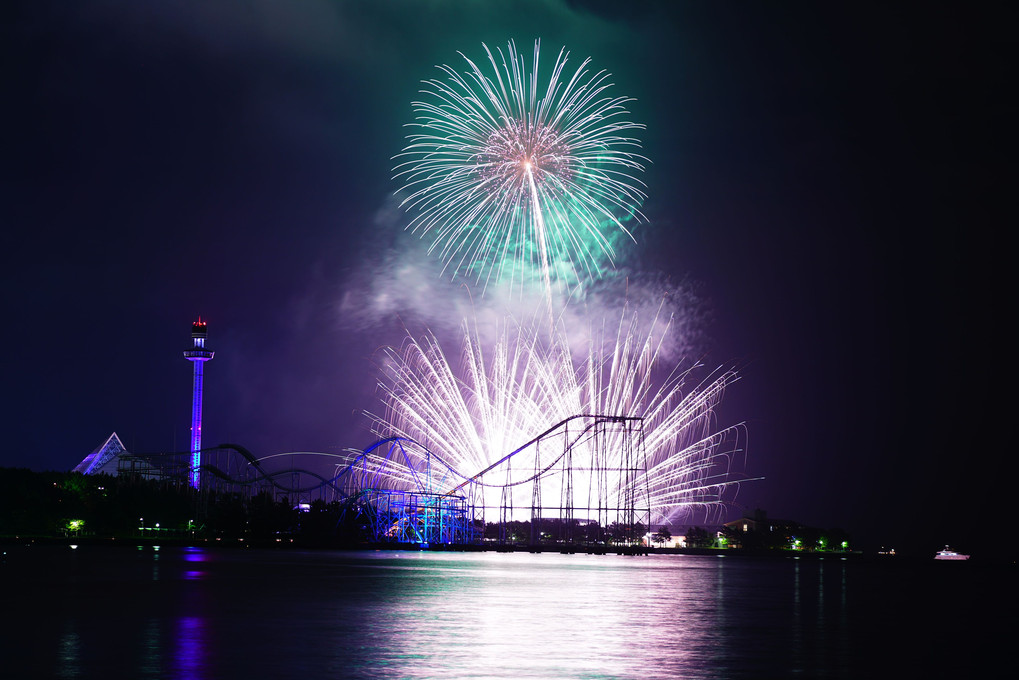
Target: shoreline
{"type": "Point", "coordinates": [297, 544]}
{"type": "Point", "coordinates": [996, 558]}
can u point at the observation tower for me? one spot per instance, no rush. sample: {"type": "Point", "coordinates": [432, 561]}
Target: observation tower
{"type": "Point", "coordinates": [197, 355]}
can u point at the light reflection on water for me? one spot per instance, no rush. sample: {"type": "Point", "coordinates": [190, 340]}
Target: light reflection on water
{"type": "Point", "coordinates": [203, 614]}
{"type": "Point", "coordinates": [69, 652]}
{"type": "Point", "coordinates": [547, 615]}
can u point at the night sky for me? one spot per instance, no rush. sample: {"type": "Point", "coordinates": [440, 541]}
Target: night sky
{"type": "Point", "coordinates": [828, 178]}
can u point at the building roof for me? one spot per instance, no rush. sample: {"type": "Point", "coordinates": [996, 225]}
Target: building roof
{"type": "Point", "coordinates": [104, 456]}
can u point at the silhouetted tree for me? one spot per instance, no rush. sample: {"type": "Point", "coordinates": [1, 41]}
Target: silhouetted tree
{"type": "Point", "coordinates": [697, 537]}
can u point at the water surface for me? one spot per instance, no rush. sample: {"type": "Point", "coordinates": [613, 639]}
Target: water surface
{"type": "Point", "coordinates": [138, 612]}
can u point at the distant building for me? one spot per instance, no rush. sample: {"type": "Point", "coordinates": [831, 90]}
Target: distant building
{"type": "Point", "coordinates": [768, 531]}
{"type": "Point", "coordinates": [111, 458]}
{"type": "Point", "coordinates": [104, 459]}
{"type": "Point", "coordinates": [760, 522]}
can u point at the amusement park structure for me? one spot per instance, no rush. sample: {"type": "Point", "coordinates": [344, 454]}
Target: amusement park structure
{"type": "Point", "coordinates": [586, 480]}
{"type": "Point", "coordinates": [197, 355]}
{"type": "Point", "coordinates": [559, 485]}
{"type": "Point", "coordinates": [564, 486]}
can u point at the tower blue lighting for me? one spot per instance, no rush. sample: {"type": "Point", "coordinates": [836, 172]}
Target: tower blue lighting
{"type": "Point", "coordinates": [198, 355]}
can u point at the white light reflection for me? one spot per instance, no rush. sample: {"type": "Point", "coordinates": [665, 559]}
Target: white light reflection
{"type": "Point", "coordinates": [69, 652]}
{"type": "Point", "coordinates": [601, 614]}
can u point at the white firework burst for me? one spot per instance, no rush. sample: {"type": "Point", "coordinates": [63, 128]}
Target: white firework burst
{"type": "Point", "coordinates": [474, 410]}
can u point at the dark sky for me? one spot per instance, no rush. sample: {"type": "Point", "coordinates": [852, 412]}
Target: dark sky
{"type": "Point", "coordinates": [830, 176]}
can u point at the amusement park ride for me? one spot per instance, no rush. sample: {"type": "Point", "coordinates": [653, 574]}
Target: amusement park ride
{"type": "Point", "coordinates": [583, 481]}
{"type": "Point", "coordinates": [401, 492]}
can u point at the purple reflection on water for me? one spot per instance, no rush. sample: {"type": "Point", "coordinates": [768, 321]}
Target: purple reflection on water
{"type": "Point", "coordinates": [190, 648]}
{"type": "Point", "coordinates": [189, 661]}
{"type": "Point", "coordinates": [196, 554]}
{"type": "Point", "coordinates": [191, 556]}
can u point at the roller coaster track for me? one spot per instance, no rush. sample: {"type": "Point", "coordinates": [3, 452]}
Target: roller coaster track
{"type": "Point", "coordinates": [369, 470]}
{"type": "Point", "coordinates": [401, 443]}
{"type": "Point", "coordinates": [596, 420]}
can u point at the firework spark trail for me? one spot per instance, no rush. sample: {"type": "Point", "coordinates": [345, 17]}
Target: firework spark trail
{"type": "Point", "coordinates": [502, 168]}
{"type": "Point", "coordinates": [527, 386]}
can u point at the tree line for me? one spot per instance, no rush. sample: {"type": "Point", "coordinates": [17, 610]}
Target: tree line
{"type": "Point", "coordinates": [51, 504]}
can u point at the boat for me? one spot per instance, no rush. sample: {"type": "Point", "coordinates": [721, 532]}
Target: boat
{"type": "Point", "coordinates": [949, 554]}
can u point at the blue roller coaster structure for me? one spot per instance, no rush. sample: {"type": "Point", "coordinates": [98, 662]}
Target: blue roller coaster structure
{"type": "Point", "coordinates": [586, 472]}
